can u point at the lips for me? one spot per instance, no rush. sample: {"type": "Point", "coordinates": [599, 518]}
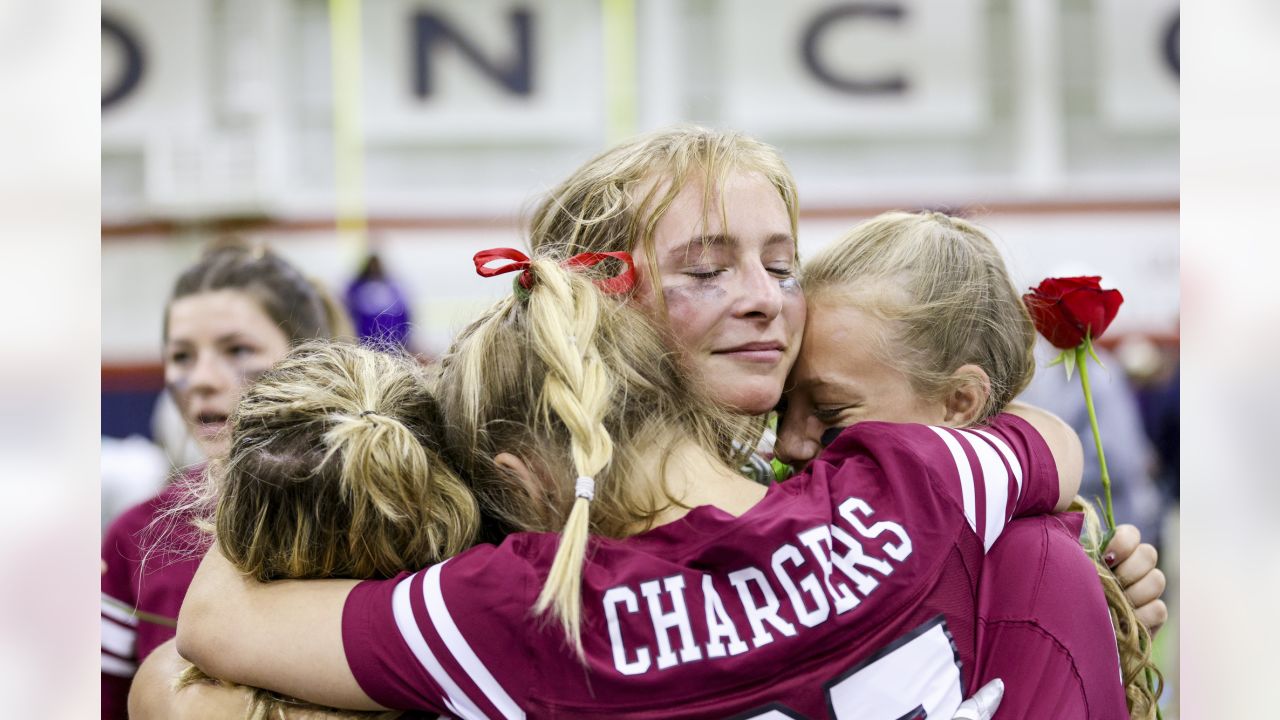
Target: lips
{"type": "Point", "coordinates": [209, 423]}
{"type": "Point", "coordinates": [762, 352]}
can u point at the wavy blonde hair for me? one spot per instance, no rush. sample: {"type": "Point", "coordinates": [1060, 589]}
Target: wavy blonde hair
{"type": "Point", "coordinates": [942, 286]}
{"type": "Point", "coordinates": [575, 384]}
{"type": "Point", "coordinates": [334, 471]}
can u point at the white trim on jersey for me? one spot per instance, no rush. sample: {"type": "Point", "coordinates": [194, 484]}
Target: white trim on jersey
{"type": "Point", "coordinates": [116, 610]}
{"type": "Point", "coordinates": [995, 478]}
{"type": "Point", "coordinates": [461, 650]}
{"type": "Point", "coordinates": [113, 665]}
{"type": "Point", "coordinates": [1009, 457]}
{"type": "Point", "coordinates": [966, 475]}
{"type": "Point", "coordinates": [455, 699]}
{"type": "Point", "coordinates": [118, 639]}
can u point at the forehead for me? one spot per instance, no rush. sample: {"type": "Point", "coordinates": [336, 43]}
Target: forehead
{"type": "Point", "coordinates": [745, 206]}
{"type": "Point", "coordinates": [218, 312]}
{"type": "Point", "coordinates": [843, 345]}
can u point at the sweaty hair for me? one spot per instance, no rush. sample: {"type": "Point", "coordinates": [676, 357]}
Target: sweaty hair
{"type": "Point", "coordinates": [301, 307]}
{"type": "Point", "coordinates": [334, 471]}
{"type": "Point", "coordinates": [942, 287]}
{"type": "Point", "coordinates": [574, 384]}
{"type": "Point", "coordinates": [614, 202]}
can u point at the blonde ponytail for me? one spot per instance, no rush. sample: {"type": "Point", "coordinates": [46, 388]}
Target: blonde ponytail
{"type": "Point", "coordinates": [334, 470]}
{"type": "Point", "coordinates": [1133, 640]}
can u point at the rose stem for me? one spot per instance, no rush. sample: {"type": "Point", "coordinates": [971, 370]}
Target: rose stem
{"type": "Point", "coordinates": [1082, 363]}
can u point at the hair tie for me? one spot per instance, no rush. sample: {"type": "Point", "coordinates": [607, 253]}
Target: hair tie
{"type": "Point", "coordinates": [620, 283]}
{"type": "Point", "coordinates": [367, 413]}
{"type": "Point", "coordinates": [585, 488]}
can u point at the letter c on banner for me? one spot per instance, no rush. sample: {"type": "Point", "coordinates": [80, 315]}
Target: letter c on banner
{"type": "Point", "coordinates": [891, 85]}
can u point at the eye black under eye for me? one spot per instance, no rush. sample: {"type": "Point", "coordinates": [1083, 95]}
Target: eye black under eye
{"type": "Point", "coordinates": [829, 435]}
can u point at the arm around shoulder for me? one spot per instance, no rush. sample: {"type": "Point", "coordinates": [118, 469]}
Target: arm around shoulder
{"type": "Point", "coordinates": [284, 636]}
{"type": "Point", "coordinates": [1063, 442]}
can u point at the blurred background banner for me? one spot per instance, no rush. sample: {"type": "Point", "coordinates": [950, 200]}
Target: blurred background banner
{"type": "Point", "coordinates": [1052, 122]}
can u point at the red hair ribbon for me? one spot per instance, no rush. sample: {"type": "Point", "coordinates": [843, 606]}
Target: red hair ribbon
{"type": "Point", "coordinates": [620, 283]}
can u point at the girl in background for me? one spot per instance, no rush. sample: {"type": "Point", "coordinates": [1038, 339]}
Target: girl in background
{"type": "Point", "coordinates": [913, 318]}
{"type": "Point", "coordinates": [230, 317]}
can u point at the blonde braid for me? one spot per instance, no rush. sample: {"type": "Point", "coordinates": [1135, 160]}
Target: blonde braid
{"type": "Point", "coordinates": [578, 389]}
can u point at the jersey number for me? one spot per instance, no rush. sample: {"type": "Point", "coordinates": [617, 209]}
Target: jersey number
{"type": "Point", "coordinates": [914, 677]}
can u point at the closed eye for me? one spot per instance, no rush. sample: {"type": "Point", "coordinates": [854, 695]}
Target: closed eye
{"type": "Point", "coordinates": [829, 415]}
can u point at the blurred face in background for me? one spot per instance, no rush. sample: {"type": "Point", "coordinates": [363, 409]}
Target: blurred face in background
{"type": "Point", "coordinates": [216, 343]}
{"type": "Point", "coordinates": [732, 298]}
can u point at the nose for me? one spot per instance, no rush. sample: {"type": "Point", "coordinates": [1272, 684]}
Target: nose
{"type": "Point", "coordinates": [209, 374]}
{"type": "Point", "coordinates": [760, 294]}
{"type": "Point", "coordinates": [799, 435]}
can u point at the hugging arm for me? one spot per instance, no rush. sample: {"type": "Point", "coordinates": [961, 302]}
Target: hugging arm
{"type": "Point", "coordinates": [1063, 442]}
{"type": "Point", "coordinates": [284, 636]}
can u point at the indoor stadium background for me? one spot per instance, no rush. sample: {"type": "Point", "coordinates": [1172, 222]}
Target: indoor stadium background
{"type": "Point", "coordinates": [424, 131]}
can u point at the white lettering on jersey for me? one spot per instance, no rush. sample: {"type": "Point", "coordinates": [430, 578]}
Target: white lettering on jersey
{"type": "Point", "coordinates": [757, 614]}
{"type": "Point", "coordinates": [811, 590]}
{"type": "Point", "coordinates": [663, 622]}
{"type": "Point", "coordinates": [818, 540]}
{"type": "Point", "coordinates": [854, 557]}
{"type": "Point", "coordinates": [625, 595]}
{"type": "Point", "coordinates": [898, 552]}
{"type": "Point", "coordinates": [720, 626]}
{"type": "Point", "coordinates": [807, 617]}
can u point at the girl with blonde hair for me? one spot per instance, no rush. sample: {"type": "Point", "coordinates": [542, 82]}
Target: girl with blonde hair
{"type": "Point", "coordinates": [913, 318]}
{"type": "Point", "coordinates": [649, 577]}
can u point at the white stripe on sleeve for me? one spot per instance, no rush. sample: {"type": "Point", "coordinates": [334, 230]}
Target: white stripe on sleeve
{"type": "Point", "coordinates": [462, 652]}
{"type": "Point", "coordinates": [1010, 458]}
{"type": "Point", "coordinates": [966, 475]}
{"type": "Point", "coordinates": [113, 665]}
{"type": "Point", "coordinates": [118, 610]}
{"type": "Point", "coordinates": [455, 699]}
{"type": "Point", "coordinates": [995, 478]}
{"type": "Point", "coordinates": [118, 639]}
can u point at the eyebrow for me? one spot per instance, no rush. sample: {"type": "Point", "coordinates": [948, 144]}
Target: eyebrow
{"type": "Point", "coordinates": [680, 253]}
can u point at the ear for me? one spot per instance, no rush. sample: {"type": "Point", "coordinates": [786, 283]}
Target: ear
{"type": "Point", "coordinates": [969, 389]}
{"type": "Point", "coordinates": [520, 470]}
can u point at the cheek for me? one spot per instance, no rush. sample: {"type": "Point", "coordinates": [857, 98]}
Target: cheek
{"type": "Point", "coordinates": [177, 383]}
{"type": "Point", "coordinates": [794, 307]}
{"type": "Point", "coordinates": [693, 312]}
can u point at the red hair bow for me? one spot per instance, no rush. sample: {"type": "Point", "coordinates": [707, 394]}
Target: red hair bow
{"type": "Point", "coordinates": [620, 283]}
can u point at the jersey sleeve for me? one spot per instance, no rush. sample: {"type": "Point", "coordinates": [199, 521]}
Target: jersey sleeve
{"type": "Point", "coordinates": [992, 473]}
{"type": "Point", "coordinates": [445, 639]}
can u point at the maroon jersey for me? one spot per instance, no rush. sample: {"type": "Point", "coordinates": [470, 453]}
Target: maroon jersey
{"type": "Point", "coordinates": [847, 592]}
{"type": "Point", "coordinates": [1044, 627]}
{"type": "Point", "coordinates": [149, 567]}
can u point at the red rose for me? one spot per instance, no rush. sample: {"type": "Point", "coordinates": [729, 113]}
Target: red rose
{"type": "Point", "coordinates": [1066, 309]}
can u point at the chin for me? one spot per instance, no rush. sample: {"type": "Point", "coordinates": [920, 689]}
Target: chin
{"type": "Point", "coordinates": [750, 400]}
